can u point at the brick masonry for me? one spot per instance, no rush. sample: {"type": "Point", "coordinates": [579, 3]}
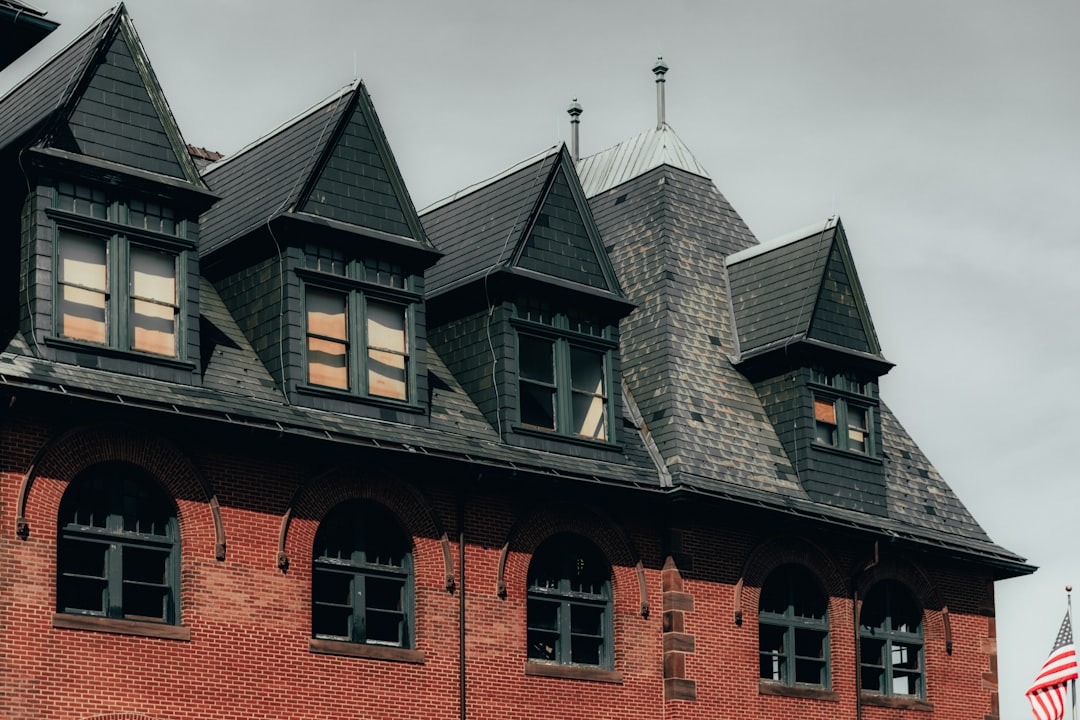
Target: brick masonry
{"type": "Point", "coordinates": [249, 621]}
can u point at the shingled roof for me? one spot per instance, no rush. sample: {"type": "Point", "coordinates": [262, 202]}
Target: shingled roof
{"type": "Point", "coordinates": [668, 231]}
{"type": "Point", "coordinates": [531, 219]}
{"type": "Point", "coordinates": [99, 98]}
{"type": "Point", "coordinates": [331, 162]}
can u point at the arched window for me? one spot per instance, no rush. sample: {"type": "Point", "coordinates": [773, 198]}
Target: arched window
{"type": "Point", "coordinates": [569, 604]}
{"type": "Point", "coordinates": [793, 629]}
{"type": "Point", "coordinates": [891, 641]}
{"type": "Point", "coordinates": [118, 554]}
{"type": "Point", "coordinates": [362, 580]}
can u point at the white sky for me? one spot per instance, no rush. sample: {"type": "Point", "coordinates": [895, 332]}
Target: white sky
{"type": "Point", "coordinates": [945, 133]}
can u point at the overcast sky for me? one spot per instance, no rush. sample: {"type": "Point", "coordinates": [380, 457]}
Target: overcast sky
{"type": "Point", "coordinates": [944, 133]}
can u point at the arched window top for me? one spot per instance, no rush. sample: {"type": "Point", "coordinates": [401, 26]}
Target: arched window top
{"type": "Point", "coordinates": [569, 604]}
{"type": "Point", "coordinates": [568, 563]}
{"type": "Point", "coordinates": [120, 497]}
{"type": "Point", "coordinates": [362, 533]}
{"type": "Point", "coordinates": [118, 552]}
{"type": "Point", "coordinates": [793, 629]}
{"type": "Point", "coordinates": [891, 641]}
{"type": "Point", "coordinates": [362, 580]}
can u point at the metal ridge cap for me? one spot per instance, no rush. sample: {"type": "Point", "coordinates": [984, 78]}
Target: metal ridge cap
{"type": "Point", "coordinates": [470, 189]}
{"type": "Point", "coordinates": [334, 97]}
{"type": "Point", "coordinates": [783, 240]}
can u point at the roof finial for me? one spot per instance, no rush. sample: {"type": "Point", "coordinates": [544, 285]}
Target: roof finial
{"type": "Point", "coordinates": [574, 111]}
{"type": "Point", "coordinates": [659, 69]}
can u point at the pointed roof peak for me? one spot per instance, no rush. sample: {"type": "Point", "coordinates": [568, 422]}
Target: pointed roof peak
{"type": "Point", "coordinates": [635, 157]}
{"type": "Point", "coordinates": [477, 186]}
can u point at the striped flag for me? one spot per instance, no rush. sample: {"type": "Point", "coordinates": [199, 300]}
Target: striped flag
{"type": "Point", "coordinates": [1047, 693]}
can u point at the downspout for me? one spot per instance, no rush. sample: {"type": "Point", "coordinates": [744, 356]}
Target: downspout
{"type": "Point", "coordinates": [858, 637]}
{"type": "Point", "coordinates": [461, 603]}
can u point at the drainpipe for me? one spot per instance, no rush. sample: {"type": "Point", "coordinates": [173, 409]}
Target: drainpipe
{"type": "Point", "coordinates": [461, 603]}
{"type": "Point", "coordinates": [575, 112]}
{"type": "Point", "coordinates": [659, 69]}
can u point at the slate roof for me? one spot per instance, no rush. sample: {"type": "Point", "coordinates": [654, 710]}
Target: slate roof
{"type": "Point", "coordinates": [332, 161]}
{"type": "Point", "coordinates": [635, 157]}
{"type": "Point", "coordinates": [527, 218]}
{"type": "Point", "coordinates": [668, 231]}
{"type": "Point", "coordinates": [98, 97]}
{"type": "Point", "coordinates": [780, 292]}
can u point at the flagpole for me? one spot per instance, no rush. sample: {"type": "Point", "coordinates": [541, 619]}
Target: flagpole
{"type": "Point", "coordinates": [1072, 683]}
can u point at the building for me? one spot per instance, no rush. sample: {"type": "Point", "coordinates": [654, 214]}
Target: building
{"type": "Point", "coordinates": [568, 443]}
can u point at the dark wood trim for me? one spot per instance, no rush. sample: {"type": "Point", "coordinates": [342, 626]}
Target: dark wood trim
{"type": "Point", "coordinates": [160, 240]}
{"type": "Point", "coordinates": [900, 703]}
{"type": "Point", "coordinates": [361, 650]}
{"type": "Point", "coordinates": [120, 627]}
{"type": "Point", "coordinates": [573, 672]}
{"type": "Point", "coordinates": [111, 351]}
{"type": "Point", "coordinates": [811, 693]}
{"type": "Point", "coordinates": [573, 439]}
{"type": "Point", "coordinates": [373, 400]}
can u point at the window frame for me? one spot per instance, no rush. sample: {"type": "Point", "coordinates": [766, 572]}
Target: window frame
{"type": "Point", "coordinates": [359, 573]}
{"type": "Point", "coordinates": [890, 637]}
{"type": "Point", "coordinates": [791, 624]}
{"type": "Point", "coordinates": [119, 239]}
{"type": "Point", "coordinates": [845, 394]}
{"type": "Point", "coordinates": [117, 540]}
{"type": "Point", "coordinates": [357, 294]}
{"type": "Point", "coordinates": [566, 548]}
{"type": "Point", "coordinates": [564, 342]}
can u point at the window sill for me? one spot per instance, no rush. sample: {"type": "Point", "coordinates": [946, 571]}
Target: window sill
{"type": "Point", "coordinates": [573, 672]}
{"type": "Point", "coordinates": [109, 351]}
{"type": "Point", "coordinates": [94, 623]}
{"type": "Point", "coordinates": [361, 650]}
{"type": "Point", "coordinates": [576, 440]}
{"type": "Point", "coordinates": [347, 396]}
{"type": "Point", "coordinates": [811, 693]}
{"type": "Point", "coordinates": [899, 703]}
{"type": "Point", "coordinates": [833, 450]}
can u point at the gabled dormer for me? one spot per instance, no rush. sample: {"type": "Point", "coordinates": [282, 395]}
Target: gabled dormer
{"type": "Point", "coordinates": [525, 307]}
{"type": "Point", "coordinates": [806, 340]}
{"type": "Point", "coordinates": [317, 251]}
{"type": "Point", "coordinates": [105, 201]}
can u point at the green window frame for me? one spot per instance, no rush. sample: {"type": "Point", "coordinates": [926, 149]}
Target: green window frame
{"type": "Point", "coordinates": [844, 411]}
{"type": "Point", "coordinates": [569, 609]}
{"type": "Point", "coordinates": [358, 325]}
{"type": "Point", "coordinates": [118, 550]}
{"type": "Point", "coordinates": [118, 291]}
{"type": "Point", "coordinates": [891, 642]}
{"type": "Point", "coordinates": [362, 577]}
{"type": "Point", "coordinates": [564, 383]}
{"type": "Point", "coordinates": [793, 629]}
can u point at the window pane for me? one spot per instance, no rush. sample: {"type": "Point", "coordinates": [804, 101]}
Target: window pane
{"type": "Point", "coordinates": [536, 359]}
{"type": "Point", "coordinates": [154, 328]}
{"type": "Point", "coordinates": [586, 620]}
{"type": "Point", "coordinates": [825, 411]}
{"type": "Point", "coordinates": [153, 290]}
{"type": "Point", "coordinates": [385, 593]}
{"type": "Point", "coordinates": [587, 371]}
{"type": "Point", "coordinates": [328, 363]}
{"type": "Point", "coordinates": [387, 375]}
{"type": "Point", "coordinates": [585, 650]}
{"type": "Point", "coordinates": [856, 428]}
{"type": "Point", "coordinates": [153, 275]}
{"type": "Point", "coordinates": [537, 405]}
{"type": "Point", "coordinates": [771, 667]}
{"type": "Point", "coordinates": [83, 309]}
{"type": "Point", "coordinates": [809, 672]}
{"type": "Point", "coordinates": [145, 602]}
{"type": "Point", "coordinates": [590, 416]}
{"type": "Point", "coordinates": [326, 315]}
{"type": "Point", "coordinates": [383, 628]}
{"type": "Point", "coordinates": [83, 577]}
{"type": "Point", "coordinates": [386, 326]}
{"type": "Point", "coordinates": [145, 565]}
{"type": "Point", "coordinates": [809, 643]}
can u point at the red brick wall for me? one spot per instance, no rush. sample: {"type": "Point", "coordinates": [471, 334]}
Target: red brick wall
{"type": "Point", "coordinates": [249, 621]}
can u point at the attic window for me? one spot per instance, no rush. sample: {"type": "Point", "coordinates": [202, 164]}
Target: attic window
{"type": "Point", "coordinates": [842, 423]}
{"type": "Point", "coordinates": [357, 324]}
{"type": "Point", "coordinates": [563, 373]}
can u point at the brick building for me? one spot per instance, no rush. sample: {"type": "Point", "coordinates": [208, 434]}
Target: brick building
{"type": "Point", "coordinates": [569, 443]}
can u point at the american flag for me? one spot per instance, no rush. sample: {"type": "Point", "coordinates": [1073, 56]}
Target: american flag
{"type": "Point", "coordinates": [1047, 693]}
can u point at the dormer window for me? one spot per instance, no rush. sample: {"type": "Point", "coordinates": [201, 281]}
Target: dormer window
{"type": "Point", "coordinates": [563, 373]}
{"type": "Point", "coordinates": [842, 412]}
{"type": "Point", "coordinates": [358, 325]}
{"type": "Point", "coordinates": [118, 273]}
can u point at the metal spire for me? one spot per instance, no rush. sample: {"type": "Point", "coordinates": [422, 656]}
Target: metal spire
{"type": "Point", "coordinates": [575, 112]}
{"type": "Point", "coordinates": [660, 68]}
